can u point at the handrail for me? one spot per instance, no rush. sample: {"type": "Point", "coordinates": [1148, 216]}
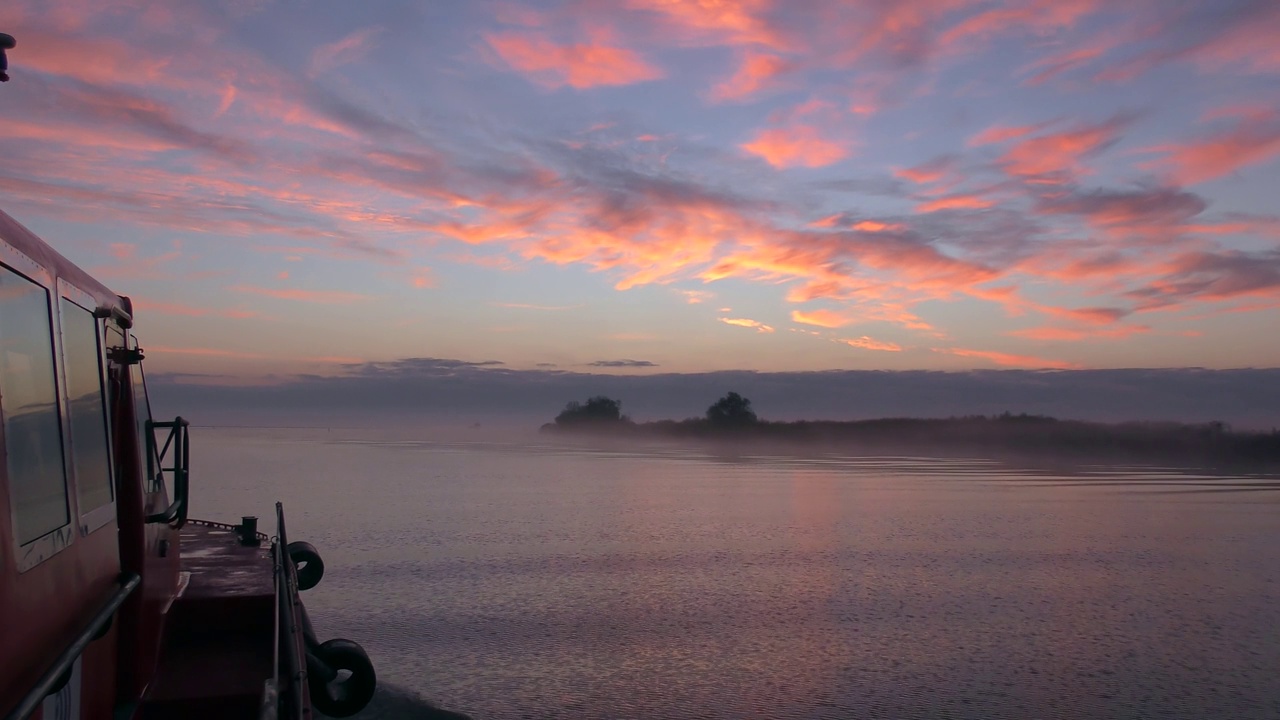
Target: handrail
{"type": "Point", "coordinates": [270, 707]}
{"type": "Point", "coordinates": [63, 664]}
{"type": "Point", "coordinates": [287, 578]}
{"type": "Point", "coordinates": [176, 513]}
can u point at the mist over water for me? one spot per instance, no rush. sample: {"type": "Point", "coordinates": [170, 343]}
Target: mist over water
{"type": "Point", "coordinates": [519, 579]}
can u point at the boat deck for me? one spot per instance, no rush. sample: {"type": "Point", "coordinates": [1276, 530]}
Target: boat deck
{"type": "Point", "coordinates": [222, 570]}
{"type": "Point", "coordinates": [220, 634]}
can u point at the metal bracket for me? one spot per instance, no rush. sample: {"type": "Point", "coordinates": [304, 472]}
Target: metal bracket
{"type": "Point", "coordinates": [125, 356]}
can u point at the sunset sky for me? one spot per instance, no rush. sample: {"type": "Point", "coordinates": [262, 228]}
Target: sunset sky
{"type": "Point", "coordinates": [660, 185]}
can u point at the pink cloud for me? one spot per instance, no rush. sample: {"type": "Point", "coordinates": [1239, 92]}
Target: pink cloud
{"type": "Point", "coordinates": [735, 22]}
{"type": "Point", "coordinates": [346, 50]}
{"type": "Point", "coordinates": [756, 72]}
{"type": "Point", "coordinates": [1051, 67]}
{"type": "Point", "coordinates": [579, 66]}
{"type": "Point", "coordinates": [1050, 156]}
{"type": "Point", "coordinates": [1004, 133]}
{"type": "Point", "coordinates": [324, 297]}
{"type": "Point", "coordinates": [94, 59]}
{"type": "Point", "coordinates": [1250, 141]}
{"type": "Point", "coordinates": [1062, 334]}
{"type": "Point", "coordinates": [1038, 16]}
{"type": "Point", "coordinates": [930, 172]}
{"type": "Point", "coordinates": [796, 146]}
{"type": "Point", "coordinates": [161, 308]}
{"type": "Point", "coordinates": [1095, 315]}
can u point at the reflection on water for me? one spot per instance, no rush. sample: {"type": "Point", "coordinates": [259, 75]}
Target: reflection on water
{"type": "Point", "coordinates": [518, 581]}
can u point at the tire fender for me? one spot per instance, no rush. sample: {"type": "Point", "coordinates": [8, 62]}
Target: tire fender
{"type": "Point", "coordinates": [342, 697]}
{"type": "Point", "coordinates": [307, 562]}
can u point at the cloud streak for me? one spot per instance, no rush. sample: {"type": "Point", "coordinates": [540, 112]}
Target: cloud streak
{"type": "Point", "coordinates": [846, 164]}
{"type": "Point", "coordinates": [747, 323]}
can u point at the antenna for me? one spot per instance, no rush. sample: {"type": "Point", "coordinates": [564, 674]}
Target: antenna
{"type": "Point", "coordinates": [6, 43]}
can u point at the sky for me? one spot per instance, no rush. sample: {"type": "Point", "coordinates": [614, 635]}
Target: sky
{"type": "Point", "coordinates": [290, 188]}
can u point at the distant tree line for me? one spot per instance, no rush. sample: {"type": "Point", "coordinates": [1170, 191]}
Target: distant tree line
{"type": "Point", "coordinates": [600, 412]}
{"type": "Point", "coordinates": [732, 418]}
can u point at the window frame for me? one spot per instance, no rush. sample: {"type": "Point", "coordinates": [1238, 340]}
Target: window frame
{"type": "Point", "coordinates": [35, 552]}
{"type": "Point", "coordinates": [153, 479]}
{"type": "Point", "coordinates": [97, 517]}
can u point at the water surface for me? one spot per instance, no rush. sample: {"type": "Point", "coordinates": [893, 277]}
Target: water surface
{"type": "Point", "coordinates": [526, 581]}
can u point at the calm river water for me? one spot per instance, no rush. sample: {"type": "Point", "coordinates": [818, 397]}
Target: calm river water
{"type": "Point", "coordinates": [527, 581]}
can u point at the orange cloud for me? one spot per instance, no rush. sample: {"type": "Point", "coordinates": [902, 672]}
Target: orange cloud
{"type": "Point", "coordinates": [876, 226]}
{"type": "Point", "coordinates": [1007, 359]}
{"type": "Point", "coordinates": [694, 297]}
{"type": "Point", "coordinates": [821, 318]}
{"type": "Point", "coordinates": [867, 343]}
{"type": "Point", "coordinates": [755, 73]}
{"type": "Point", "coordinates": [1250, 141]}
{"type": "Point", "coordinates": [955, 202]}
{"type": "Point", "coordinates": [326, 297]}
{"type": "Point", "coordinates": [797, 146]}
{"type": "Point", "coordinates": [744, 322]}
{"type": "Point", "coordinates": [578, 66]}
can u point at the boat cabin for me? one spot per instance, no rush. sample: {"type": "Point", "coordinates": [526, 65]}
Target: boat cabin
{"type": "Point", "coordinates": [114, 604]}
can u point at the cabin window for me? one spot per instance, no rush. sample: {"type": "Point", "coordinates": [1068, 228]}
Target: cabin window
{"type": "Point", "coordinates": [29, 406]}
{"type": "Point", "coordinates": [82, 363]}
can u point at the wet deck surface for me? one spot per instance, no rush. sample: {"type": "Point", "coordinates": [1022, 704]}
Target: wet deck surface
{"type": "Point", "coordinates": [220, 633]}
{"type": "Point", "coordinates": [221, 567]}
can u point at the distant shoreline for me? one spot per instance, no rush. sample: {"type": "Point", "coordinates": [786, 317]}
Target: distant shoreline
{"type": "Point", "coordinates": [1211, 443]}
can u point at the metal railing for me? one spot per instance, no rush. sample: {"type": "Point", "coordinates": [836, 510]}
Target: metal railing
{"type": "Point", "coordinates": [61, 667]}
{"type": "Point", "coordinates": [285, 694]}
{"type": "Point", "coordinates": [176, 513]}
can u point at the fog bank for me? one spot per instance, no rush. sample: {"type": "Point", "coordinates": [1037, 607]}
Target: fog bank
{"type": "Point", "coordinates": [463, 393]}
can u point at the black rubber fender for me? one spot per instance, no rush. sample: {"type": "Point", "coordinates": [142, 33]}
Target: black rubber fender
{"type": "Point", "coordinates": [347, 696]}
{"type": "Point", "coordinates": [308, 564]}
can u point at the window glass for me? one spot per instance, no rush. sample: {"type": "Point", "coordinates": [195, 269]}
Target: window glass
{"type": "Point", "coordinates": [82, 362]}
{"type": "Point", "coordinates": [29, 404]}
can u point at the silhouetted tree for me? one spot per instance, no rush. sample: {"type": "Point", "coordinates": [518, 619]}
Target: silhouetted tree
{"type": "Point", "coordinates": [598, 409]}
{"type": "Point", "coordinates": [732, 410]}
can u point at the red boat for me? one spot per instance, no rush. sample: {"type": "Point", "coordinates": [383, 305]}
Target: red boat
{"type": "Point", "coordinates": [113, 603]}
